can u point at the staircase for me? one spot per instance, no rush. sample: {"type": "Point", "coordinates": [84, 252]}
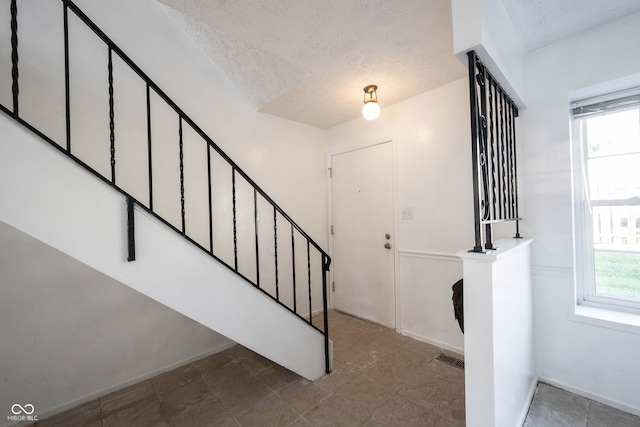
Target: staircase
{"type": "Point", "coordinates": [151, 200]}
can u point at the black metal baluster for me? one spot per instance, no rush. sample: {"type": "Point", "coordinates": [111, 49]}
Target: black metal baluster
{"type": "Point", "coordinates": [15, 89]}
{"type": "Point", "coordinates": [235, 220]}
{"type": "Point", "coordinates": [514, 199]}
{"type": "Point", "coordinates": [481, 80]}
{"type": "Point", "coordinates": [325, 269]}
{"type": "Point", "coordinates": [500, 155]}
{"type": "Point", "coordinates": [67, 92]}
{"type": "Point", "coordinates": [149, 155]}
{"type": "Point", "coordinates": [255, 227]}
{"type": "Point", "coordinates": [275, 247]}
{"type": "Point", "coordinates": [112, 135]}
{"type": "Point", "coordinates": [492, 146]}
{"type": "Point", "coordinates": [515, 176]}
{"type": "Point", "coordinates": [509, 163]}
{"type": "Point", "coordinates": [492, 115]}
{"type": "Point", "coordinates": [474, 151]}
{"type": "Point", "coordinates": [210, 200]}
{"type": "Point", "coordinates": [181, 175]}
{"type": "Point", "coordinates": [309, 273]}
{"type": "Point", "coordinates": [505, 171]}
{"type": "Point", "coordinates": [131, 234]}
{"type": "Point", "coordinates": [503, 166]}
{"type": "Point", "coordinates": [293, 263]}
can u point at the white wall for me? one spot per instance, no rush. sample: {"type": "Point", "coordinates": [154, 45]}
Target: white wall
{"type": "Point", "coordinates": [594, 361]}
{"type": "Point", "coordinates": [432, 135]}
{"type": "Point", "coordinates": [71, 333]}
{"type": "Point", "coordinates": [270, 149]}
{"type": "Point", "coordinates": [484, 26]}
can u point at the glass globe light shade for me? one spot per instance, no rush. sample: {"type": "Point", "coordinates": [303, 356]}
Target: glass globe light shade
{"type": "Point", "coordinates": [371, 110]}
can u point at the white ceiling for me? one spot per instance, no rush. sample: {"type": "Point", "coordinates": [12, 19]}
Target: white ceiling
{"type": "Point", "coordinates": [544, 22]}
{"type": "Point", "coordinates": [308, 60]}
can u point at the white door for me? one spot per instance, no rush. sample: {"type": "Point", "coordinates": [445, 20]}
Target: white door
{"type": "Point", "coordinates": [363, 254]}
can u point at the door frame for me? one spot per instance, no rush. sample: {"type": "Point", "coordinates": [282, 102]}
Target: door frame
{"type": "Point", "coordinates": [354, 146]}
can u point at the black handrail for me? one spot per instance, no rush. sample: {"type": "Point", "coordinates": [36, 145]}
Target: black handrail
{"type": "Point", "coordinates": [183, 120]}
{"type": "Point", "coordinates": [493, 140]}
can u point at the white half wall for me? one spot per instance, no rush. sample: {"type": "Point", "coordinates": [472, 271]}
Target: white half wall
{"type": "Point", "coordinates": [599, 362]}
{"type": "Point", "coordinates": [500, 371]}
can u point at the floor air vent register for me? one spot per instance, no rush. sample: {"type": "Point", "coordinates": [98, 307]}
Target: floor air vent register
{"type": "Point", "coordinates": [458, 363]}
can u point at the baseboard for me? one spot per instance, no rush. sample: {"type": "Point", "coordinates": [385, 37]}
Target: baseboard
{"type": "Point", "coordinates": [525, 409]}
{"type": "Point", "coordinates": [591, 396]}
{"type": "Point", "coordinates": [432, 341]}
{"type": "Point", "coordinates": [107, 390]}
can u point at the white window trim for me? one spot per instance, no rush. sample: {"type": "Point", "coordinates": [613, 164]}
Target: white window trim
{"type": "Point", "coordinates": [583, 229]}
{"type": "Point", "coordinates": [606, 318]}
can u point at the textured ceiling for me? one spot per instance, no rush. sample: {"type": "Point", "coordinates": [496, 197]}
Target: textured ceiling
{"type": "Point", "coordinates": [543, 22]}
{"type": "Point", "coordinates": [308, 60]}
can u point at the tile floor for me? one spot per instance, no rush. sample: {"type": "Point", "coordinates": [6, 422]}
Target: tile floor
{"type": "Point", "coordinates": [380, 378]}
{"type": "Point", "coordinates": [552, 407]}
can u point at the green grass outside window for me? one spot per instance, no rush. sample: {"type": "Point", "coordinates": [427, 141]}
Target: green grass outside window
{"type": "Point", "coordinates": [618, 274]}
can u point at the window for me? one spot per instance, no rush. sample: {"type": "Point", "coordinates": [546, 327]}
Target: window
{"type": "Point", "coordinates": [607, 188]}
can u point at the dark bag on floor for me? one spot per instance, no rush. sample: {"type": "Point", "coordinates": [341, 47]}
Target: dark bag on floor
{"type": "Point", "coordinates": [458, 310]}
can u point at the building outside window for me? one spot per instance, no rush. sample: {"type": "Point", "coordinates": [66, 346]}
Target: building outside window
{"type": "Point", "coordinates": [606, 138]}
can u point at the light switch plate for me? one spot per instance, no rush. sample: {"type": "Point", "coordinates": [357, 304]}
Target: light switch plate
{"type": "Point", "coordinates": [407, 212]}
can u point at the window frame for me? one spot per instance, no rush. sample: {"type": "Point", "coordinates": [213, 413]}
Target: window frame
{"type": "Point", "coordinates": [584, 248]}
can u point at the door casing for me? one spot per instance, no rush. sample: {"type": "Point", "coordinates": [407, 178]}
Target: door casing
{"type": "Point", "coordinates": [345, 148]}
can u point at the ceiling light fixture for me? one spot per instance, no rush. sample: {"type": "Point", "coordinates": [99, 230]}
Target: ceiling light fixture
{"type": "Point", "coordinates": [371, 109]}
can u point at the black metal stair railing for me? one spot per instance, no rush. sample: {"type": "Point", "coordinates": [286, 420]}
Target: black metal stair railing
{"type": "Point", "coordinates": [309, 248]}
{"type": "Point", "coordinates": [493, 139]}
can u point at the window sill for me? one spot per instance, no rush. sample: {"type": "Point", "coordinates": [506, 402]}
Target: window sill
{"type": "Point", "coordinates": [616, 320]}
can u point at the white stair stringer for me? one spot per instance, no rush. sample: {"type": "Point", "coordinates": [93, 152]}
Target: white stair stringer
{"type": "Point", "coordinates": [49, 197]}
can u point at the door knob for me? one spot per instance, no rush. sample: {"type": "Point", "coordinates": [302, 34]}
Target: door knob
{"type": "Point", "coordinates": [387, 246]}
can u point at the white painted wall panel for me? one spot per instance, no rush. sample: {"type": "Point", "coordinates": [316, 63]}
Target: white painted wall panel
{"type": "Point", "coordinates": [593, 361]}
{"type": "Point", "coordinates": [427, 311]}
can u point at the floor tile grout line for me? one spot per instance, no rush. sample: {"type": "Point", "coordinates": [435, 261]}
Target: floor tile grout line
{"type": "Point", "coordinates": [326, 391]}
{"type": "Point", "coordinates": [100, 411]}
{"type": "Point", "coordinates": [379, 406]}
{"type": "Point", "coordinates": [332, 389]}
{"type": "Point", "coordinates": [162, 406]}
